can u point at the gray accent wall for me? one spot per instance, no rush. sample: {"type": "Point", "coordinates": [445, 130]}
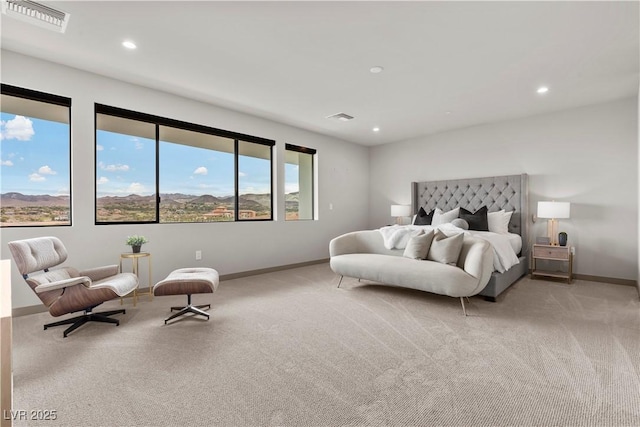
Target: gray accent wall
{"type": "Point", "coordinates": [342, 168]}
{"type": "Point", "coordinates": [587, 156]}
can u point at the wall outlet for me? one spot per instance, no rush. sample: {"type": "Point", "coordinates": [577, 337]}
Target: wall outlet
{"type": "Point", "coordinates": [198, 255]}
{"type": "Point", "coordinates": [573, 250]}
{"type": "Point", "coordinates": [330, 206]}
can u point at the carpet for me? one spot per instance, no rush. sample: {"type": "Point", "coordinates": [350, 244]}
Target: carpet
{"type": "Point", "coordinates": [288, 348]}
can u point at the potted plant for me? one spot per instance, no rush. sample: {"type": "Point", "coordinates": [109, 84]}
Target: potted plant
{"type": "Point", "coordinates": [136, 242]}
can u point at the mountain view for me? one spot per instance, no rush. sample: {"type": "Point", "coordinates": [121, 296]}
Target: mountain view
{"type": "Point", "coordinates": [18, 209]}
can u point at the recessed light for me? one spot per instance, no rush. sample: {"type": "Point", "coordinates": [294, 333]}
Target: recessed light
{"type": "Point", "coordinates": [447, 112]}
{"type": "Point", "coordinates": [376, 69]}
{"type": "Point", "coordinates": [543, 89]}
{"type": "Point", "coordinates": [129, 44]}
{"type": "Point", "coordinates": [376, 129]}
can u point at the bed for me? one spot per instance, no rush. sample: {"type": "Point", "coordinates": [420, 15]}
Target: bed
{"type": "Point", "coordinates": [509, 192]}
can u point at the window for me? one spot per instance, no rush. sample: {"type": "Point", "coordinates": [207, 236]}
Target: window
{"type": "Point", "coordinates": [299, 185]}
{"type": "Point", "coordinates": [125, 170]}
{"type": "Point", "coordinates": [196, 176]}
{"type": "Point", "coordinates": [35, 176]}
{"type": "Point", "coordinates": [202, 174]}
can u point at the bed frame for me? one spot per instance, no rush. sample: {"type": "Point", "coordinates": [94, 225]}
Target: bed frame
{"type": "Point", "coordinates": [509, 192]}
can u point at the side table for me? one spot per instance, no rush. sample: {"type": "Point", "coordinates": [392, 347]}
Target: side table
{"type": "Point", "coordinates": [554, 253]}
{"type": "Point", "coordinates": [135, 257]}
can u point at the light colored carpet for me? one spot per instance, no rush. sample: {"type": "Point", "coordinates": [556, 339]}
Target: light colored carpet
{"type": "Point", "coordinates": [289, 348]}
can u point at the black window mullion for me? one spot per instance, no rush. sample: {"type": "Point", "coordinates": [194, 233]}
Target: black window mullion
{"type": "Point", "coordinates": [158, 201]}
{"type": "Point", "coordinates": [271, 161]}
{"type": "Point", "coordinates": [236, 165]}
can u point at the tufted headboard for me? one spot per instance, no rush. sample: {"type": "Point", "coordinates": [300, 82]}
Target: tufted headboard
{"type": "Point", "coordinates": [509, 192]}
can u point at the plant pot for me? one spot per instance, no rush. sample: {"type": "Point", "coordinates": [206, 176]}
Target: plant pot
{"type": "Point", "coordinates": [136, 249]}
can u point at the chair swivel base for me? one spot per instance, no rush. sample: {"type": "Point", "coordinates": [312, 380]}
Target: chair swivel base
{"type": "Point", "coordinates": [189, 308]}
{"type": "Point", "coordinates": [78, 321]}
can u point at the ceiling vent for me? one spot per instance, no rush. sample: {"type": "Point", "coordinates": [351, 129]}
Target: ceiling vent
{"type": "Point", "coordinates": [37, 14]}
{"type": "Point", "coordinates": [341, 117]}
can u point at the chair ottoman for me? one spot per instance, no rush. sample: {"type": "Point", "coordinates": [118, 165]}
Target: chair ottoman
{"type": "Point", "coordinates": [188, 281]}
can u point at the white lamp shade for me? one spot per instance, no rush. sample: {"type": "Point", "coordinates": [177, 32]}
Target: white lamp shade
{"type": "Point", "coordinates": [554, 210]}
{"type": "Point", "coordinates": [400, 210]}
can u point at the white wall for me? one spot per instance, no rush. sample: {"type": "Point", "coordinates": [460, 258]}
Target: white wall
{"type": "Point", "coordinates": [343, 171]}
{"type": "Point", "coordinates": [587, 156]}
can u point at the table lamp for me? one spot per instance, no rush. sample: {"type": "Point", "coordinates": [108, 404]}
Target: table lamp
{"type": "Point", "coordinates": [400, 211]}
{"type": "Point", "coordinates": [553, 211]}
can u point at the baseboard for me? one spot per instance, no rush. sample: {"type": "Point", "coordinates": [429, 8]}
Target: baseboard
{"type": "Point", "coordinates": [31, 309]}
{"type": "Point", "coordinates": [602, 279]}
{"type": "Point", "coordinates": [271, 269]}
{"type": "Point", "coordinates": [612, 280]}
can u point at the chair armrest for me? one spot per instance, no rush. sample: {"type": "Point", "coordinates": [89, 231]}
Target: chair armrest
{"type": "Point", "coordinates": [99, 273]}
{"type": "Point", "coordinates": [60, 284]}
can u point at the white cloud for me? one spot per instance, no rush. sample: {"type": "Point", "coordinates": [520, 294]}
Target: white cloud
{"type": "Point", "coordinates": [99, 147]}
{"type": "Point", "coordinates": [102, 180]}
{"type": "Point", "coordinates": [6, 163]}
{"type": "Point", "coordinates": [46, 170]}
{"type": "Point", "coordinates": [137, 143]}
{"type": "Point", "coordinates": [113, 168]}
{"type": "Point", "coordinates": [135, 188]}
{"type": "Point", "coordinates": [34, 177]}
{"type": "Point", "coordinates": [19, 128]}
{"type": "Point", "coordinates": [291, 188]}
{"type": "Point", "coordinates": [201, 171]}
{"type": "Point", "coordinates": [242, 174]}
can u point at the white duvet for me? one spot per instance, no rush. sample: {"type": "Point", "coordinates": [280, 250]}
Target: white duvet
{"type": "Point", "coordinates": [397, 237]}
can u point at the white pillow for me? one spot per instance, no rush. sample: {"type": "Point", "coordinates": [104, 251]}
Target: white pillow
{"type": "Point", "coordinates": [445, 250]}
{"type": "Point", "coordinates": [440, 217]}
{"type": "Point", "coordinates": [418, 246]}
{"type": "Point", "coordinates": [499, 221]}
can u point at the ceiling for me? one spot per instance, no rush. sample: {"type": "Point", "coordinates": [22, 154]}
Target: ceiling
{"type": "Point", "coordinates": [447, 65]}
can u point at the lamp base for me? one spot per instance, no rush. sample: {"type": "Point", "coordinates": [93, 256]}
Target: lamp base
{"type": "Point", "coordinates": [552, 231]}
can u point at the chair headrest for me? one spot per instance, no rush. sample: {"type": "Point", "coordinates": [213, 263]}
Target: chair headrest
{"type": "Point", "coordinates": [37, 254]}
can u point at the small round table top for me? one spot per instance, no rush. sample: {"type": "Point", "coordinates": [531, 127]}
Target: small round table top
{"type": "Point", "coordinates": [134, 255]}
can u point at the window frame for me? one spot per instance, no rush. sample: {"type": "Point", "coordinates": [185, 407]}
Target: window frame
{"type": "Point", "coordinates": [179, 124]}
{"type": "Point", "coordinates": [312, 152]}
{"type": "Point", "coordinates": [49, 98]}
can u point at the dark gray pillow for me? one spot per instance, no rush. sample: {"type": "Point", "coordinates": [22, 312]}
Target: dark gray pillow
{"type": "Point", "coordinates": [423, 218]}
{"type": "Point", "coordinates": [477, 220]}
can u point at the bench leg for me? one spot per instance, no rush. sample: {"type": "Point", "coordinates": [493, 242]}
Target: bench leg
{"type": "Point", "coordinates": [340, 281]}
{"type": "Point", "coordinates": [463, 308]}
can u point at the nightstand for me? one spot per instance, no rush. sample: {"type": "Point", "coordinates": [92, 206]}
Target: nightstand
{"type": "Point", "coordinates": [553, 253]}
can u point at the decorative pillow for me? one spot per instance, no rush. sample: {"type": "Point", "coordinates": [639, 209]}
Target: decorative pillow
{"type": "Point", "coordinates": [445, 250]}
{"type": "Point", "coordinates": [423, 218]}
{"type": "Point", "coordinates": [440, 217]}
{"type": "Point", "coordinates": [477, 220]}
{"type": "Point", "coordinates": [499, 221]}
{"type": "Point", "coordinates": [418, 246]}
{"type": "Point", "coordinates": [460, 223]}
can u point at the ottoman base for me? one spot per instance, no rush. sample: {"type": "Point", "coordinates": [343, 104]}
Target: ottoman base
{"type": "Point", "coordinates": [189, 308]}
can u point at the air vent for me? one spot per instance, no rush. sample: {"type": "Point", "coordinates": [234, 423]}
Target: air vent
{"type": "Point", "coordinates": [37, 14]}
{"type": "Point", "coordinates": [342, 117]}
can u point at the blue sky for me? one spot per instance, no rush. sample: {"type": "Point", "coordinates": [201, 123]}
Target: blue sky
{"type": "Point", "coordinates": [35, 160]}
{"type": "Point", "coordinates": [126, 166]}
{"type": "Point", "coordinates": [34, 156]}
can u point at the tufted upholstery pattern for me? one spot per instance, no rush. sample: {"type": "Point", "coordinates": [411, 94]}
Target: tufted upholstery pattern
{"type": "Point", "coordinates": [509, 192]}
{"type": "Point", "coordinates": [37, 254]}
{"type": "Point", "coordinates": [186, 281]}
